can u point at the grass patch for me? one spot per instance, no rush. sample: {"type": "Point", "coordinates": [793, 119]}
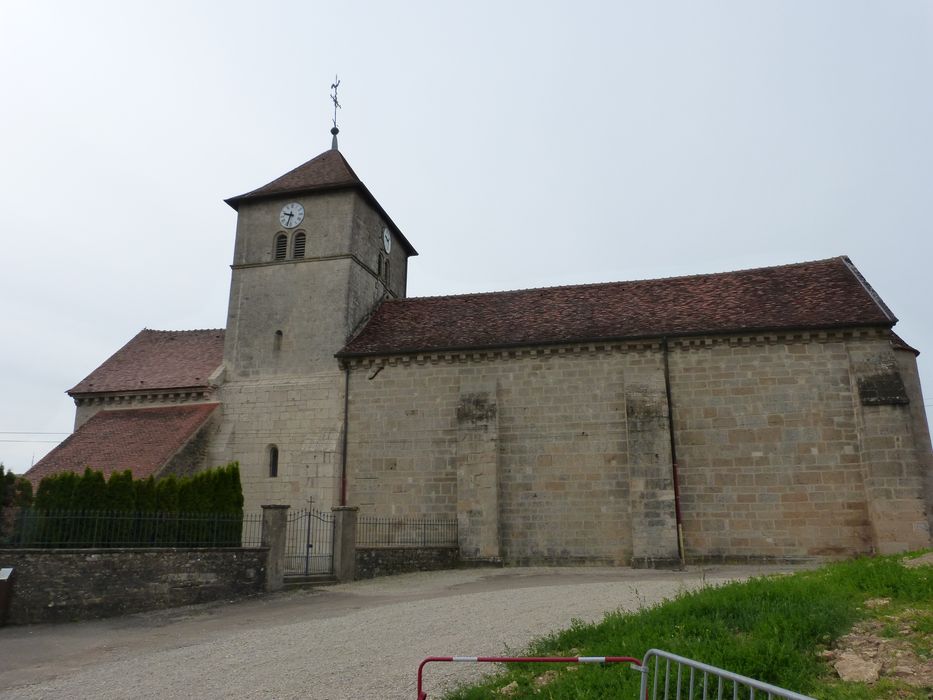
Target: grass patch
{"type": "Point", "coordinates": [770, 628]}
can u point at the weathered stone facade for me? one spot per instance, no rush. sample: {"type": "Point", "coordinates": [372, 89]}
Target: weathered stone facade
{"type": "Point", "coordinates": [563, 454]}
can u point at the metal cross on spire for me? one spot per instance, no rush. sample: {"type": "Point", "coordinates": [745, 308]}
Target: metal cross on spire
{"type": "Point", "coordinates": [333, 97]}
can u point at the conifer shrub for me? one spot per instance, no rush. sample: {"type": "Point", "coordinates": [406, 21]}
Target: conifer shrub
{"type": "Point", "coordinates": [15, 493]}
{"type": "Point", "coordinates": [205, 508]}
{"type": "Point", "coordinates": [90, 491]}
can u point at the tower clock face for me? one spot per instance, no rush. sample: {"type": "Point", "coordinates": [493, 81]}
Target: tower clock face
{"type": "Point", "coordinates": [291, 215]}
{"type": "Point", "coordinates": [386, 240]}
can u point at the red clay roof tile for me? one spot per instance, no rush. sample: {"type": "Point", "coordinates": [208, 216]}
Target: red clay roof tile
{"type": "Point", "coordinates": [821, 294]}
{"type": "Point", "coordinates": [139, 439]}
{"type": "Point", "coordinates": [155, 360]}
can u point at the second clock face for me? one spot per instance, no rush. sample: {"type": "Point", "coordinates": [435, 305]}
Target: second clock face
{"type": "Point", "coordinates": [291, 215]}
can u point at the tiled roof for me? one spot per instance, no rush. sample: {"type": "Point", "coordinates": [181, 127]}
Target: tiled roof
{"type": "Point", "coordinates": [823, 294]}
{"type": "Point", "coordinates": [155, 360]}
{"type": "Point", "coordinates": [898, 343]}
{"type": "Point", "coordinates": [139, 439]}
{"type": "Point", "coordinates": [328, 171]}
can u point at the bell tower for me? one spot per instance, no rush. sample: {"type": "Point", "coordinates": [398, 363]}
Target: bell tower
{"type": "Point", "coordinates": [315, 254]}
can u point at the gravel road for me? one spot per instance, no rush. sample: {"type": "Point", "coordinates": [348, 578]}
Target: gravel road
{"type": "Point", "coordinates": [356, 640]}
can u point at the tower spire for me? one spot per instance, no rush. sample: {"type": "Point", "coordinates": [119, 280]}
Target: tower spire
{"type": "Point", "coordinates": [333, 97]}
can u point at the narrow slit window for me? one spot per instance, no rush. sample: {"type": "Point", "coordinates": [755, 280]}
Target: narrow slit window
{"type": "Point", "coordinates": [298, 247]}
{"type": "Point", "coordinates": [273, 461]}
{"type": "Point", "coordinates": [277, 341]}
{"type": "Point", "coordinates": [281, 246]}
{"type": "Point", "coordinates": [385, 270]}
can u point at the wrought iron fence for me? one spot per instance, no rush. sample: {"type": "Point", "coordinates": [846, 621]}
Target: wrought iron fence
{"type": "Point", "coordinates": [373, 531]}
{"type": "Point", "coordinates": [82, 529]}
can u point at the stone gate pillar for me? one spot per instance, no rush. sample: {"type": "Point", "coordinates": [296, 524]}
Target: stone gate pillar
{"type": "Point", "coordinates": [345, 518]}
{"type": "Point", "coordinates": [274, 524]}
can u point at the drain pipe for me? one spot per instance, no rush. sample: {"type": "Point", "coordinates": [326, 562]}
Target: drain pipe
{"type": "Point", "coordinates": [346, 429]}
{"type": "Point", "coordinates": [670, 429]}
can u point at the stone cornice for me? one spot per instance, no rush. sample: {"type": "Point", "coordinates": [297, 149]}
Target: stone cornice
{"type": "Point", "coordinates": [679, 343]}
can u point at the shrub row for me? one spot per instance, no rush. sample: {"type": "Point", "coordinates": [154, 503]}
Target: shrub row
{"type": "Point", "coordinates": [211, 491]}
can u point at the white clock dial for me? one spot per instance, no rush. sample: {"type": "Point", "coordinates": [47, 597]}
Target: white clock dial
{"type": "Point", "coordinates": [386, 240]}
{"type": "Point", "coordinates": [291, 215]}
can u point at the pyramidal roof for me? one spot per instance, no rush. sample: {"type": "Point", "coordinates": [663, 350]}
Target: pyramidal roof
{"type": "Point", "coordinates": [330, 170]}
{"type": "Point", "coordinates": [326, 172]}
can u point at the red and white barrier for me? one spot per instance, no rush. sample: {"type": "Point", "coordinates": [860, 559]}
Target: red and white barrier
{"type": "Point", "coordinates": [522, 659]}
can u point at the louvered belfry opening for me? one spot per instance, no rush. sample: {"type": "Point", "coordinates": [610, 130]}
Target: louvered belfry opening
{"type": "Point", "coordinates": [298, 249]}
{"type": "Point", "coordinates": [281, 246]}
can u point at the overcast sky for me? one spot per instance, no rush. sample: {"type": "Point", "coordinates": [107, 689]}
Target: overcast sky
{"type": "Point", "coordinates": [516, 144]}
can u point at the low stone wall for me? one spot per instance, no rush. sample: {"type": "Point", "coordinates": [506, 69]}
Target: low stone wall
{"type": "Point", "coordinates": [56, 585]}
{"type": "Point", "coordinates": [386, 561]}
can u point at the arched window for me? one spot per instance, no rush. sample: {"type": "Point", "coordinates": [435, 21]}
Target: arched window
{"type": "Point", "coordinates": [273, 461]}
{"type": "Point", "coordinates": [277, 341]}
{"type": "Point", "coordinates": [298, 247]}
{"type": "Point", "coordinates": [281, 246]}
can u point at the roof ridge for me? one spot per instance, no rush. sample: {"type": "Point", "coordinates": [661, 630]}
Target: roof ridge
{"type": "Point", "coordinates": [187, 330]}
{"type": "Point", "coordinates": [590, 285]}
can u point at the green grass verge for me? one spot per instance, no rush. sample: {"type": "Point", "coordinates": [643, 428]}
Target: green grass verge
{"type": "Point", "coordinates": [770, 628]}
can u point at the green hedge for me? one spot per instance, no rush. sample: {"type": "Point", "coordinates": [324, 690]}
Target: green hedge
{"type": "Point", "coordinates": [87, 510]}
{"type": "Point", "coordinates": [211, 491]}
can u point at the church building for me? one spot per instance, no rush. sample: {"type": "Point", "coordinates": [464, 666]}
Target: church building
{"type": "Point", "coordinates": [766, 414]}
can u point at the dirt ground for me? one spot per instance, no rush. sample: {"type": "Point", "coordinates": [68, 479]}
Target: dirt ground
{"type": "Point", "coordinates": [363, 639]}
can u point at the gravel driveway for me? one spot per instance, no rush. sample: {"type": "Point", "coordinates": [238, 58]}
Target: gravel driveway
{"type": "Point", "coordinates": [356, 640]}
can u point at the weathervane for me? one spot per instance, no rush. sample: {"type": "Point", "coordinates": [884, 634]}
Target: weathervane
{"type": "Point", "coordinates": [333, 97]}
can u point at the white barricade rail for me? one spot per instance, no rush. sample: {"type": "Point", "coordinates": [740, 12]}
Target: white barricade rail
{"type": "Point", "coordinates": [666, 676]}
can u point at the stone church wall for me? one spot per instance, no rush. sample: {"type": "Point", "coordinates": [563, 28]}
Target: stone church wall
{"type": "Point", "coordinates": [769, 450]}
{"type": "Point", "coordinates": [562, 455]}
{"type": "Point", "coordinates": [303, 417]}
{"type": "Point", "coordinates": [530, 450]}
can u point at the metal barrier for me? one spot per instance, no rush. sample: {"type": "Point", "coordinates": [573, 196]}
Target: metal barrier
{"type": "Point", "coordinates": [522, 659]}
{"type": "Point", "coordinates": [677, 678]}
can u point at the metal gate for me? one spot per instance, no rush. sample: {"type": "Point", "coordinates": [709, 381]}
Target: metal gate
{"type": "Point", "coordinates": [309, 543]}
